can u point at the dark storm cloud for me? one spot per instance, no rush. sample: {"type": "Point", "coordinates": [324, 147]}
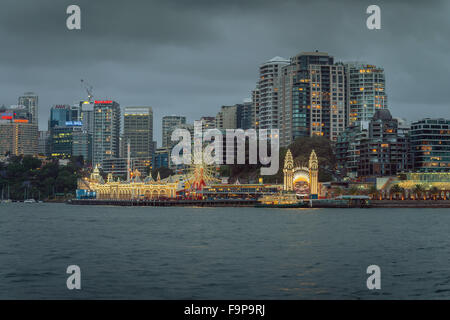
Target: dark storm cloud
{"type": "Point", "coordinates": [191, 57]}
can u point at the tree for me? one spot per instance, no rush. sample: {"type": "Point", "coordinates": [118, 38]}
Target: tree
{"type": "Point", "coordinates": [396, 190]}
{"type": "Point", "coordinates": [354, 190]}
{"type": "Point", "coordinates": [419, 190]}
{"type": "Point", "coordinates": [27, 177]}
{"type": "Point", "coordinates": [434, 192]}
{"type": "Point", "coordinates": [301, 150]}
{"type": "Point", "coordinates": [372, 191]}
{"type": "Point", "coordinates": [164, 172]}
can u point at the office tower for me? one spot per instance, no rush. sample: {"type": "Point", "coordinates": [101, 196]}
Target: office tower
{"type": "Point", "coordinates": [18, 136]}
{"type": "Point", "coordinates": [82, 145]}
{"type": "Point", "coordinates": [245, 113]}
{"type": "Point", "coordinates": [105, 140]}
{"type": "Point", "coordinates": [59, 115]}
{"type": "Point", "coordinates": [44, 143]}
{"type": "Point", "coordinates": [30, 101]}
{"type": "Point", "coordinates": [138, 131]}
{"type": "Point", "coordinates": [169, 123]}
{"type": "Point", "coordinates": [208, 123]}
{"type": "Point", "coordinates": [366, 91]}
{"type": "Point", "coordinates": [63, 123]}
{"type": "Point", "coordinates": [17, 112]}
{"type": "Point", "coordinates": [62, 138]}
{"type": "Point", "coordinates": [87, 116]}
{"type": "Point", "coordinates": [313, 100]}
{"type": "Point", "coordinates": [161, 158]}
{"type": "Point", "coordinates": [267, 92]}
{"type": "Point", "coordinates": [430, 145]}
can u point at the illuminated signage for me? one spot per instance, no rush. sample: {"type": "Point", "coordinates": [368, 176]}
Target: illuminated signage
{"type": "Point", "coordinates": [21, 120]}
{"type": "Point", "coordinates": [6, 116]}
{"type": "Point", "coordinates": [74, 123]}
{"type": "Point", "coordinates": [103, 101]}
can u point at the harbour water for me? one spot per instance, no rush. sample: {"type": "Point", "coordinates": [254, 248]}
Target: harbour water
{"type": "Point", "coordinates": [222, 253]}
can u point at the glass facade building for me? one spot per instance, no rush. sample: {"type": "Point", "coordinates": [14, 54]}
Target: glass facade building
{"type": "Point", "coordinates": [169, 123]}
{"type": "Point", "coordinates": [138, 130]}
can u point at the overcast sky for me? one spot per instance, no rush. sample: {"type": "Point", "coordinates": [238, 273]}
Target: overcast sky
{"type": "Point", "coordinates": [190, 57]}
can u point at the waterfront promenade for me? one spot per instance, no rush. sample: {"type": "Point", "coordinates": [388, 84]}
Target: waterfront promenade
{"type": "Point", "coordinates": [253, 203]}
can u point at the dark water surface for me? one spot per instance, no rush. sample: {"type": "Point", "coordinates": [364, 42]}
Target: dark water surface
{"type": "Point", "coordinates": [222, 253]}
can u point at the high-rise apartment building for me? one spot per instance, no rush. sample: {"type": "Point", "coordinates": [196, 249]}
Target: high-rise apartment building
{"type": "Point", "coordinates": [430, 145]}
{"type": "Point", "coordinates": [384, 152]}
{"type": "Point", "coordinates": [265, 96]}
{"type": "Point", "coordinates": [313, 99]}
{"type": "Point", "coordinates": [170, 123]}
{"type": "Point", "coordinates": [366, 91]}
{"type": "Point", "coordinates": [138, 131]}
{"type": "Point", "coordinates": [106, 130]}
{"type": "Point", "coordinates": [30, 101]}
{"type": "Point", "coordinates": [347, 148]}
{"type": "Point", "coordinates": [378, 147]}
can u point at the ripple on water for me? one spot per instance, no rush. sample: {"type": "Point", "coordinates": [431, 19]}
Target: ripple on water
{"type": "Point", "coordinates": [219, 253]}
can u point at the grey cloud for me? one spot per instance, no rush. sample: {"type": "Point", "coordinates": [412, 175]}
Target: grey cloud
{"type": "Point", "coordinates": [191, 57]}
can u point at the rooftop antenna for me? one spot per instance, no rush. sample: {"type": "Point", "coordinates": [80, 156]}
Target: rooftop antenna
{"type": "Point", "coordinates": [88, 89]}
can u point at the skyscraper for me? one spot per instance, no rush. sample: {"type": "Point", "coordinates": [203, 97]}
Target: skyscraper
{"type": "Point", "coordinates": [59, 115]}
{"type": "Point", "coordinates": [313, 99]}
{"type": "Point", "coordinates": [44, 143]}
{"type": "Point", "coordinates": [30, 101]}
{"type": "Point", "coordinates": [245, 114]}
{"type": "Point", "coordinates": [106, 130]}
{"type": "Point", "coordinates": [170, 123]}
{"type": "Point", "coordinates": [138, 130]}
{"type": "Point", "coordinates": [267, 92]}
{"type": "Point", "coordinates": [366, 91]}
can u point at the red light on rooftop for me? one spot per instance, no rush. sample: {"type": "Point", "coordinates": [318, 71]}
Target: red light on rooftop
{"type": "Point", "coordinates": [103, 101]}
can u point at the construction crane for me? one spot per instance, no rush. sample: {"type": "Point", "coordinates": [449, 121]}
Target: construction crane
{"type": "Point", "coordinates": [88, 89]}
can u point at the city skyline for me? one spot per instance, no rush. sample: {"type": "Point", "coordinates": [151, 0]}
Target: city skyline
{"type": "Point", "coordinates": [148, 62]}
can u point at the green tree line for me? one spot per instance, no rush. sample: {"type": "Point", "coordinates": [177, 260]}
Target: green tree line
{"type": "Point", "coordinates": [28, 177]}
